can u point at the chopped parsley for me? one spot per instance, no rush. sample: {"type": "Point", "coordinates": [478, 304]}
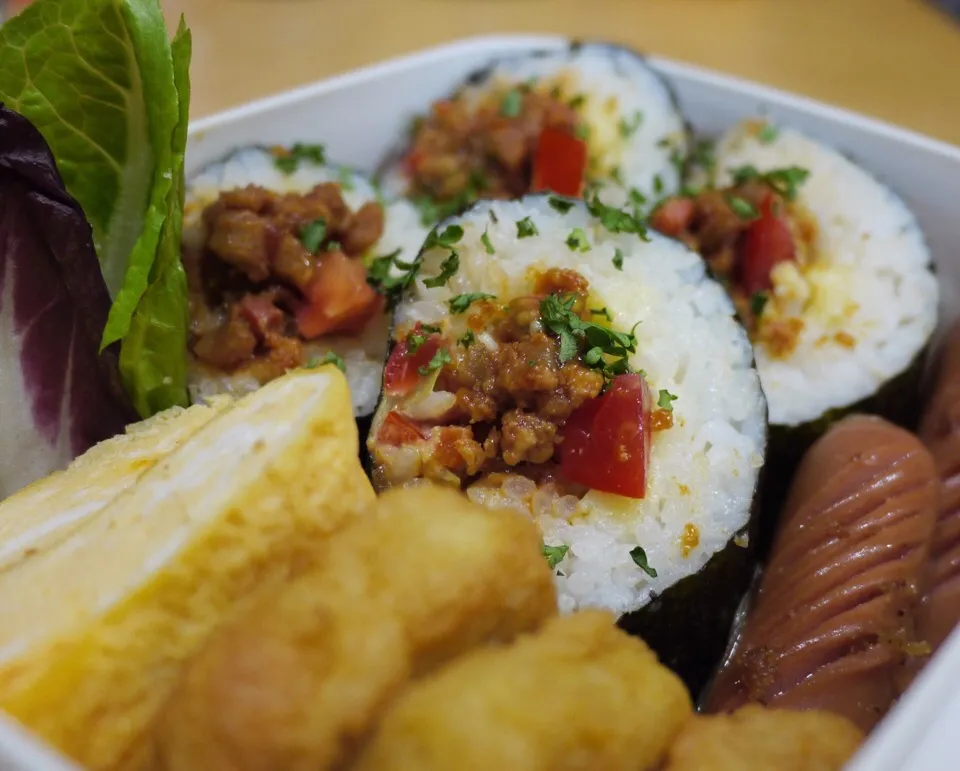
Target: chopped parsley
{"type": "Point", "coordinates": [704, 156]}
{"type": "Point", "coordinates": [448, 269]}
{"type": "Point", "coordinates": [768, 134]}
{"type": "Point", "coordinates": [616, 220]}
{"type": "Point", "coordinates": [742, 208]}
{"type": "Point", "coordinates": [526, 228]}
{"type": "Point", "coordinates": [616, 174]}
{"type": "Point", "coordinates": [618, 259]}
{"type": "Point", "coordinates": [380, 276]}
{"type": "Point", "coordinates": [676, 158]}
{"type": "Point", "coordinates": [555, 554]}
{"type": "Point", "coordinates": [607, 349]}
{"type": "Point", "coordinates": [582, 131]}
{"type": "Point", "coordinates": [485, 240]}
{"type": "Point", "coordinates": [419, 336]}
{"type": "Point", "coordinates": [601, 312]}
{"type": "Point", "coordinates": [334, 246]}
{"type": "Point", "coordinates": [561, 205]}
{"type": "Point", "coordinates": [784, 181]}
{"type": "Point", "coordinates": [666, 400]}
{"type": "Point", "coordinates": [345, 177]}
{"type": "Point", "coordinates": [467, 338]}
{"type": "Point", "coordinates": [330, 358]}
{"type": "Point", "coordinates": [758, 301]}
{"type": "Point", "coordinates": [639, 557]}
{"type": "Point", "coordinates": [657, 184]}
{"type": "Point", "coordinates": [461, 302]}
{"type": "Point", "coordinates": [288, 161]}
{"type": "Point", "coordinates": [444, 240]}
{"type": "Point", "coordinates": [440, 358]}
{"type": "Point", "coordinates": [577, 241]}
{"type": "Point", "coordinates": [577, 101]}
{"type": "Point", "coordinates": [511, 103]}
{"type": "Point", "coordinates": [312, 235]}
{"type": "Point", "coordinates": [628, 126]}
{"type": "Point", "coordinates": [431, 210]}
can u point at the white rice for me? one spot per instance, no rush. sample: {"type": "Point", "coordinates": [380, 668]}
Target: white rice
{"type": "Point", "coordinates": [617, 84]}
{"type": "Point", "coordinates": [703, 471]}
{"type": "Point", "coordinates": [873, 279]}
{"type": "Point", "coordinates": [363, 355]}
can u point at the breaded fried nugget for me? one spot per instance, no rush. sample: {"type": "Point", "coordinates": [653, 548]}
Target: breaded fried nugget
{"type": "Point", "coordinates": [757, 739]}
{"type": "Point", "coordinates": [298, 679]}
{"type": "Point", "coordinates": [580, 694]}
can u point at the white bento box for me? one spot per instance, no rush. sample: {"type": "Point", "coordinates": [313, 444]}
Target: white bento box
{"type": "Point", "coordinates": [358, 116]}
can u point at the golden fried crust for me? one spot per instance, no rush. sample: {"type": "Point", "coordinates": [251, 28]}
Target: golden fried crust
{"type": "Point", "coordinates": [299, 679]}
{"type": "Point", "coordinates": [758, 739]}
{"type": "Point", "coordinates": [580, 694]}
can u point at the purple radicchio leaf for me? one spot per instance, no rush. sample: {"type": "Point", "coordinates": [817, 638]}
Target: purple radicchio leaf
{"type": "Point", "coordinates": [58, 395]}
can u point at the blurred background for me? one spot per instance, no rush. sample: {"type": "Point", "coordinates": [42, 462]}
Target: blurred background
{"type": "Point", "coordinates": [895, 59]}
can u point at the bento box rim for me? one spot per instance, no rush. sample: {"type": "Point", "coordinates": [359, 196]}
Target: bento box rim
{"type": "Point", "coordinates": [932, 705]}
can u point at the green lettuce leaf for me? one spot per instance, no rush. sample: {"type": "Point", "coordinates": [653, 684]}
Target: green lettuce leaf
{"type": "Point", "coordinates": [109, 92]}
{"type": "Point", "coordinates": [152, 360]}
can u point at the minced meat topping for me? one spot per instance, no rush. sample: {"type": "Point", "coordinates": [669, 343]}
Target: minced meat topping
{"type": "Point", "coordinates": [463, 151]}
{"type": "Point", "coordinates": [275, 270]}
{"type": "Point", "coordinates": [512, 384]}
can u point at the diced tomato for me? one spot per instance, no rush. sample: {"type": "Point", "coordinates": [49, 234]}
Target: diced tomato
{"type": "Point", "coordinates": [401, 373]}
{"type": "Point", "coordinates": [673, 216]}
{"type": "Point", "coordinates": [397, 430]}
{"type": "Point", "coordinates": [411, 161]}
{"type": "Point", "coordinates": [606, 441]}
{"type": "Point", "coordinates": [560, 163]}
{"type": "Point", "coordinates": [259, 311]}
{"type": "Point", "coordinates": [765, 244]}
{"type": "Point", "coordinates": [339, 299]}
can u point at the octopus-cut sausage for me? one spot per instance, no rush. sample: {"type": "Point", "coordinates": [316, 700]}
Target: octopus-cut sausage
{"type": "Point", "coordinates": [831, 626]}
{"type": "Point", "coordinates": [939, 611]}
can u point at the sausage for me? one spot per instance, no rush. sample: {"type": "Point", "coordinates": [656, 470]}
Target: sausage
{"type": "Point", "coordinates": [832, 621]}
{"type": "Point", "coordinates": [939, 610]}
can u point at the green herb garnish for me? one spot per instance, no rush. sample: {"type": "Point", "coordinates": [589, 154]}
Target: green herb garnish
{"type": "Point", "coordinates": [419, 336]}
{"type": "Point", "coordinates": [657, 184]}
{"type": "Point", "coordinates": [561, 205]}
{"type": "Point", "coordinates": [485, 240]}
{"type": "Point", "coordinates": [577, 241]}
{"type": "Point", "coordinates": [601, 312]}
{"type": "Point", "coordinates": [616, 220]}
{"type": "Point", "coordinates": [703, 155]}
{"type": "Point", "coordinates": [618, 259]}
{"type": "Point", "coordinates": [577, 101]}
{"type": "Point", "coordinates": [582, 131]}
{"type": "Point", "coordinates": [742, 208]}
{"type": "Point", "coordinates": [511, 103]}
{"type": "Point", "coordinates": [289, 161]}
{"type": "Point", "coordinates": [440, 358]}
{"type": "Point", "coordinates": [345, 177]}
{"type": "Point", "coordinates": [639, 557]}
{"type": "Point", "coordinates": [330, 358]}
{"type": "Point", "coordinates": [758, 301]}
{"type": "Point", "coordinates": [450, 236]}
{"type": "Point", "coordinates": [555, 554]}
{"type": "Point", "coordinates": [784, 181]}
{"type": "Point", "coordinates": [768, 133]}
{"type": "Point", "coordinates": [526, 228]}
{"type": "Point", "coordinates": [628, 126]}
{"type": "Point", "coordinates": [312, 235]}
{"type": "Point", "coordinates": [601, 342]}
{"type": "Point", "coordinates": [448, 269]}
{"type": "Point", "coordinates": [380, 276]}
{"type": "Point", "coordinates": [616, 174]}
{"type": "Point", "coordinates": [467, 338]}
{"type": "Point", "coordinates": [666, 400]}
{"type": "Point", "coordinates": [461, 302]}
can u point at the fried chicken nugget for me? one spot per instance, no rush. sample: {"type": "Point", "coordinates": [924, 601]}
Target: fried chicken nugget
{"type": "Point", "coordinates": [757, 739]}
{"type": "Point", "coordinates": [298, 679]}
{"type": "Point", "coordinates": [579, 695]}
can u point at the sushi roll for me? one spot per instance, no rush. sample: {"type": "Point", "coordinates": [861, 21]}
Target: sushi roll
{"type": "Point", "coordinates": [277, 246]}
{"type": "Point", "coordinates": [551, 358]}
{"type": "Point", "coordinates": [591, 115]}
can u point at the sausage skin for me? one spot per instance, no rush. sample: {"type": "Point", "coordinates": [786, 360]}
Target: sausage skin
{"type": "Point", "coordinates": [939, 610]}
{"type": "Point", "coordinates": [832, 622]}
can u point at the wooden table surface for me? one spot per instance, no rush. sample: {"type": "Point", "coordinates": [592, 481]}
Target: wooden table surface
{"type": "Point", "coordinates": [898, 60]}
